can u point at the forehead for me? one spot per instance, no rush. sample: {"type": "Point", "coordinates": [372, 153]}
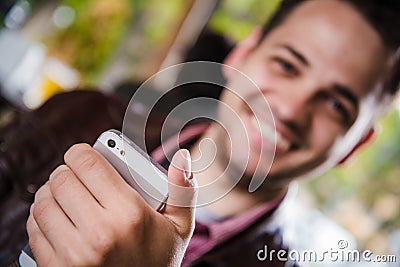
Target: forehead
{"type": "Point", "coordinates": [337, 40]}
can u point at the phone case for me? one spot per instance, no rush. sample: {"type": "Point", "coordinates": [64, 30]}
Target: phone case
{"type": "Point", "coordinates": [137, 168]}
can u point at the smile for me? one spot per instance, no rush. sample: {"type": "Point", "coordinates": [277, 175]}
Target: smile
{"type": "Point", "coordinates": [269, 133]}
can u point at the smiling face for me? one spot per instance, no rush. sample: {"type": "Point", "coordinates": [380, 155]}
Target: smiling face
{"type": "Point", "coordinates": [315, 69]}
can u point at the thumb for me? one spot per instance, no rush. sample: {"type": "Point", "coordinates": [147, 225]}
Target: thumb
{"type": "Point", "coordinates": [182, 192]}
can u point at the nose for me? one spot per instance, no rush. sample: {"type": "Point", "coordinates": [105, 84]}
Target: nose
{"type": "Point", "coordinates": [293, 108]}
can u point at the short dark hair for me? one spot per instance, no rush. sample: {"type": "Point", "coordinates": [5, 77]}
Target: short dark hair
{"type": "Point", "coordinates": [382, 15]}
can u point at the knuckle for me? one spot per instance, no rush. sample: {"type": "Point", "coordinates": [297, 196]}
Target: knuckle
{"type": "Point", "coordinates": [41, 207]}
{"type": "Point", "coordinates": [60, 169]}
{"type": "Point", "coordinates": [86, 160]}
{"type": "Point", "coordinates": [96, 259]}
{"type": "Point", "coordinates": [33, 242]}
{"type": "Point", "coordinates": [33, 239]}
{"type": "Point", "coordinates": [32, 231]}
{"type": "Point", "coordinates": [43, 191]}
{"type": "Point", "coordinates": [134, 216]}
{"type": "Point", "coordinates": [72, 257]}
{"type": "Point", "coordinates": [134, 223]}
{"type": "Point", "coordinates": [75, 151]}
{"type": "Point", "coordinates": [103, 242]}
{"type": "Point", "coordinates": [139, 217]}
{"type": "Point", "coordinates": [76, 256]}
{"type": "Point", "coordinates": [59, 176]}
{"type": "Point", "coordinates": [77, 148]}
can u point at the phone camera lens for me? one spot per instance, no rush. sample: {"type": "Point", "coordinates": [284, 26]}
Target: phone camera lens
{"type": "Point", "coordinates": [111, 143]}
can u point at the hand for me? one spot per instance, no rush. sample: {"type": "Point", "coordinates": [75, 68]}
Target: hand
{"type": "Point", "coordinates": [87, 215]}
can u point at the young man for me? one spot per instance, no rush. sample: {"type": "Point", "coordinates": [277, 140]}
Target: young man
{"type": "Point", "coordinates": [326, 69]}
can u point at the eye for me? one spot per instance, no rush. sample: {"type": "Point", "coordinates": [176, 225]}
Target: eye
{"type": "Point", "coordinates": [286, 66]}
{"type": "Point", "coordinates": [339, 109]}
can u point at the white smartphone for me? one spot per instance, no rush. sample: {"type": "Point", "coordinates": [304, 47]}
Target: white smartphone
{"type": "Point", "coordinates": [137, 168]}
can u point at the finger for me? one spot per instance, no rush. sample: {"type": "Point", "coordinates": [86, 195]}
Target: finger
{"type": "Point", "coordinates": [54, 224]}
{"type": "Point", "coordinates": [182, 191]}
{"type": "Point", "coordinates": [94, 171]}
{"type": "Point", "coordinates": [74, 198]}
{"type": "Point", "coordinates": [40, 246]}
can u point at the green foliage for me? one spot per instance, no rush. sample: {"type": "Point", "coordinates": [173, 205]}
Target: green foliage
{"type": "Point", "coordinates": [166, 12]}
{"type": "Point", "coordinates": [236, 18]}
{"type": "Point", "coordinates": [88, 43]}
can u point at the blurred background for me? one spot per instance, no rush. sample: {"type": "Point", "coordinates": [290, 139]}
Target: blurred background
{"type": "Point", "coordinates": [50, 46]}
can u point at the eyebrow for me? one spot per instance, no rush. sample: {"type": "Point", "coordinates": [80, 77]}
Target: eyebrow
{"type": "Point", "coordinates": [339, 89]}
{"type": "Point", "coordinates": [346, 93]}
{"type": "Point", "coordinates": [296, 54]}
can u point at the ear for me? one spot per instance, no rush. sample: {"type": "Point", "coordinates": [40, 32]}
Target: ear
{"type": "Point", "coordinates": [368, 137]}
{"type": "Point", "coordinates": [241, 51]}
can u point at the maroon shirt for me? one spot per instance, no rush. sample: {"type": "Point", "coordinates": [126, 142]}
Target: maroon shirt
{"type": "Point", "coordinates": [208, 236]}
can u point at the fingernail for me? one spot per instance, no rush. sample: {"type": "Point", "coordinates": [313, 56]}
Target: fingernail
{"type": "Point", "coordinates": [188, 165]}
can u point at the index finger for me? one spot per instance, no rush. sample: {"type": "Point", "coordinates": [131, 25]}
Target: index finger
{"type": "Point", "coordinates": [96, 173]}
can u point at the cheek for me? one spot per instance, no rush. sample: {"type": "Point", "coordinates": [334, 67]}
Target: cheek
{"type": "Point", "coordinates": [323, 136]}
{"type": "Point", "coordinates": [228, 98]}
{"type": "Point", "coordinates": [256, 77]}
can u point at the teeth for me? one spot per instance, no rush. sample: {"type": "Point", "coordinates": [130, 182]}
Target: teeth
{"type": "Point", "coordinates": [268, 132]}
{"type": "Point", "coordinates": [282, 142]}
